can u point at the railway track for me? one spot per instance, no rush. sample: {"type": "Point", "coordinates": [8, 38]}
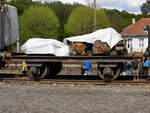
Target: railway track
{"type": "Point", "coordinates": [74, 82]}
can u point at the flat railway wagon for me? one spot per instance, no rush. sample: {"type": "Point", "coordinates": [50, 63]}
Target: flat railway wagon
{"type": "Point", "coordinates": [41, 66]}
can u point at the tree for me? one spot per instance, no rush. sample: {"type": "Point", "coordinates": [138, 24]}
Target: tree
{"type": "Point", "coordinates": [115, 19]}
{"type": "Point", "coordinates": [145, 8]}
{"type": "Point", "coordinates": [102, 19]}
{"type": "Point", "coordinates": [38, 21]}
{"type": "Point", "coordinates": [81, 21]}
{"type": "Point", "coordinates": [3, 1]}
{"type": "Point", "coordinates": [63, 12]}
{"type": "Point", "coordinates": [20, 5]}
{"type": "Point", "coordinates": [120, 20]}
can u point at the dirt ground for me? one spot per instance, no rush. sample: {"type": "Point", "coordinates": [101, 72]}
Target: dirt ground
{"type": "Point", "coordinates": [17, 98]}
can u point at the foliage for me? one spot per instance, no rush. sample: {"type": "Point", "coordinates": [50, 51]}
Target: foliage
{"type": "Point", "coordinates": [3, 1]}
{"type": "Point", "coordinates": [126, 19]}
{"type": "Point", "coordinates": [120, 20]}
{"type": "Point", "coordinates": [115, 19]}
{"type": "Point", "coordinates": [81, 21]}
{"type": "Point", "coordinates": [63, 12]}
{"type": "Point", "coordinates": [38, 21]}
{"type": "Point", "coordinates": [145, 8]}
{"type": "Point", "coordinates": [20, 5]}
{"type": "Point", "coordinates": [102, 19]}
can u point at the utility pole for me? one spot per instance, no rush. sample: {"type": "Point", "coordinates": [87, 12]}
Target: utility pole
{"type": "Point", "coordinates": [94, 19]}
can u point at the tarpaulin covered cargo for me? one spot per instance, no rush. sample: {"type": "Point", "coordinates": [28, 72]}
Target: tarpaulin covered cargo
{"type": "Point", "coordinates": [9, 31]}
{"type": "Point", "coordinates": [45, 46]}
{"type": "Point", "coordinates": [109, 35]}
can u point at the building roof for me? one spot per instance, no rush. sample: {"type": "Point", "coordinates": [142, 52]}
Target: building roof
{"type": "Point", "coordinates": [137, 28]}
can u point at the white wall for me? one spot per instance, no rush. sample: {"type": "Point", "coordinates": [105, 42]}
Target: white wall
{"type": "Point", "coordinates": [137, 45]}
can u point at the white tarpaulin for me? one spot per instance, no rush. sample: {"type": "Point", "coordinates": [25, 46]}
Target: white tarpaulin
{"type": "Point", "coordinates": [108, 35]}
{"type": "Point", "coordinates": [45, 46]}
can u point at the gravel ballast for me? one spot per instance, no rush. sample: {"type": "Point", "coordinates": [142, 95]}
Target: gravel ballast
{"type": "Point", "coordinates": [17, 98]}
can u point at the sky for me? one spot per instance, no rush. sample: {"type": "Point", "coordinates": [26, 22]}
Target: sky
{"type": "Point", "coordinates": [132, 6]}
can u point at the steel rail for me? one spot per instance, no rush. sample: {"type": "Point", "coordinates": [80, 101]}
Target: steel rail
{"type": "Point", "coordinates": [76, 82]}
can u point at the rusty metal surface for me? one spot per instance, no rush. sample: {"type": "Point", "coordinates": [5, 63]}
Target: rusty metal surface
{"type": "Point", "coordinates": [78, 48]}
{"type": "Point", "coordinates": [100, 47]}
{"type": "Point", "coordinates": [138, 54]}
{"type": "Point", "coordinates": [49, 58]}
{"type": "Point", "coordinates": [119, 49]}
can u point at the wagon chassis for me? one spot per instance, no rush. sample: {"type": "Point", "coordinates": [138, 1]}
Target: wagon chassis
{"type": "Point", "coordinates": [39, 66]}
{"type": "Point", "coordinates": [50, 58]}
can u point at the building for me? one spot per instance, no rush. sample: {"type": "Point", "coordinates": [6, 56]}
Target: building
{"type": "Point", "coordinates": [136, 37]}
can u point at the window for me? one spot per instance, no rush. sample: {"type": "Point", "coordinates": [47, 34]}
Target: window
{"type": "Point", "coordinates": [141, 42]}
{"type": "Point", "coordinates": [129, 43]}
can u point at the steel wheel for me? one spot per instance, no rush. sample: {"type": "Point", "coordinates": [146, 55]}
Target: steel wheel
{"type": "Point", "coordinates": [38, 73]}
{"type": "Point", "coordinates": [109, 74]}
{"type": "Point", "coordinates": [54, 68]}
